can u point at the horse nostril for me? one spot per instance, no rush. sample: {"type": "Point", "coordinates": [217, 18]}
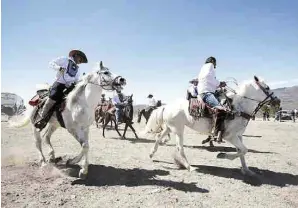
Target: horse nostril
{"type": "Point", "coordinates": [122, 80]}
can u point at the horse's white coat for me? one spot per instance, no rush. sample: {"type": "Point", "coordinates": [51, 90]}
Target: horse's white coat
{"type": "Point", "coordinates": [175, 116]}
{"type": "Point", "coordinates": [78, 114]}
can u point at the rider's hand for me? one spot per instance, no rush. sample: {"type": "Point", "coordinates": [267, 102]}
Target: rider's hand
{"type": "Point", "coordinates": [62, 69]}
{"type": "Point", "coordinates": [222, 84]}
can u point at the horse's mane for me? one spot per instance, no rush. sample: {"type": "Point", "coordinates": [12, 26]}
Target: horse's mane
{"type": "Point", "coordinates": [243, 88]}
{"type": "Point", "coordinates": [246, 84]}
{"type": "Point", "coordinates": [73, 96]}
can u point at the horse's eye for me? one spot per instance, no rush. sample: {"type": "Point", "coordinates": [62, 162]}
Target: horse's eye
{"type": "Point", "coordinates": [106, 73]}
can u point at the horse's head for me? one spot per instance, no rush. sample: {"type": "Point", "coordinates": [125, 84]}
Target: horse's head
{"type": "Point", "coordinates": [128, 110]}
{"type": "Point", "coordinates": [103, 77]}
{"type": "Point", "coordinates": [260, 92]}
{"type": "Point", "coordinates": [265, 94]}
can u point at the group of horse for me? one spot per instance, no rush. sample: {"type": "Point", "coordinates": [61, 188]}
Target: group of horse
{"type": "Point", "coordinates": [105, 114]}
{"type": "Point", "coordinates": [78, 115]}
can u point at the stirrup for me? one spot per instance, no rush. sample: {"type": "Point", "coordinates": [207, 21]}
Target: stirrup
{"type": "Point", "coordinates": [41, 124]}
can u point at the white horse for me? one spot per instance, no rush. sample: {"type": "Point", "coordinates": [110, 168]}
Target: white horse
{"type": "Point", "coordinates": [174, 117]}
{"type": "Point", "coordinates": [78, 114]}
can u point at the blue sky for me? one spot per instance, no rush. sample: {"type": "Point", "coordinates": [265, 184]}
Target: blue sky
{"type": "Point", "coordinates": [158, 45]}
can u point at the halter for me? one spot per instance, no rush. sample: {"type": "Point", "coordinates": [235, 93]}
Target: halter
{"type": "Point", "coordinates": [260, 103]}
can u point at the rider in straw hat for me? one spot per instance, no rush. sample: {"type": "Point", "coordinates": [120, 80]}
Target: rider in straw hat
{"type": "Point", "coordinates": [192, 91]}
{"type": "Point", "coordinates": [67, 75]}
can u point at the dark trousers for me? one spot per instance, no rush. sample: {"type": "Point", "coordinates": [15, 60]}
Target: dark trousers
{"type": "Point", "coordinates": [56, 92]}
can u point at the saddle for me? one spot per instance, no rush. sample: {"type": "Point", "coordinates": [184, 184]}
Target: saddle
{"type": "Point", "coordinates": [39, 100]}
{"type": "Point", "coordinates": [112, 110]}
{"type": "Point", "coordinates": [198, 108]}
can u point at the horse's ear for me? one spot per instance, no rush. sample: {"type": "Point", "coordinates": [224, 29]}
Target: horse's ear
{"type": "Point", "coordinates": [131, 95]}
{"type": "Point", "coordinates": [256, 78]}
{"type": "Point", "coordinates": [101, 65]}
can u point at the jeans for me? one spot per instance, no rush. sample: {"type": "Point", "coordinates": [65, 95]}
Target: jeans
{"type": "Point", "coordinates": [118, 112]}
{"type": "Point", "coordinates": [210, 99]}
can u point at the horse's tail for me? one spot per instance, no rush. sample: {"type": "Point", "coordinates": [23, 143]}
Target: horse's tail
{"type": "Point", "coordinates": [24, 122]}
{"type": "Point", "coordinates": [154, 124]}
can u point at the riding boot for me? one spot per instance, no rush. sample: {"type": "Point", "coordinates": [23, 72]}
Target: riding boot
{"type": "Point", "coordinates": [219, 125]}
{"type": "Point", "coordinates": [44, 111]}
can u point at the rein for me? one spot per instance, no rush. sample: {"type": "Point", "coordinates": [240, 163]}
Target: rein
{"type": "Point", "coordinates": [111, 83]}
{"type": "Point", "coordinates": [260, 103]}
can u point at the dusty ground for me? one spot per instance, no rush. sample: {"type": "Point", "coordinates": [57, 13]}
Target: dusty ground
{"type": "Point", "coordinates": [122, 175]}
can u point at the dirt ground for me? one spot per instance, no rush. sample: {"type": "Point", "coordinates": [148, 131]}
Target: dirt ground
{"type": "Point", "coordinates": [121, 174]}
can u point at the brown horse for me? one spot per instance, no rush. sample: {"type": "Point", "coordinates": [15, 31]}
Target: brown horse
{"type": "Point", "coordinates": [147, 112]}
{"type": "Point", "coordinates": [127, 116]}
{"type": "Point", "coordinates": [100, 111]}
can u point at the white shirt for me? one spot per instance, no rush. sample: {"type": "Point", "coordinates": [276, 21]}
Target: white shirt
{"type": "Point", "coordinates": [116, 100]}
{"type": "Point", "coordinates": [151, 102]}
{"type": "Point", "coordinates": [192, 90]}
{"type": "Point", "coordinates": [69, 75]}
{"type": "Point", "coordinates": [207, 79]}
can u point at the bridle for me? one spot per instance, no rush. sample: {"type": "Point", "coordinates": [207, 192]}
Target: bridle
{"type": "Point", "coordinates": [104, 83]}
{"type": "Point", "coordinates": [269, 98]}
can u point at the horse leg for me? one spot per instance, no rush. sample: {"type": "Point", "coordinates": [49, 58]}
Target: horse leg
{"type": "Point", "coordinates": [85, 146]}
{"type": "Point", "coordinates": [245, 169]}
{"type": "Point", "coordinates": [49, 132]}
{"type": "Point", "coordinates": [95, 119]}
{"type": "Point", "coordinates": [179, 145]}
{"type": "Point", "coordinates": [166, 140]}
{"type": "Point", "coordinates": [116, 128]}
{"type": "Point", "coordinates": [158, 140]}
{"type": "Point", "coordinates": [38, 144]}
{"type": "Point", "coordinates": [241, 151]}
{"type": "Point", "coordinates": [105, 121]}
{"type": "Point", "coordinates": [125, 129]}
{"type": "Point", "coordinates": [111, 124]}
{"type": "Point", "coordinates": [133, 130]}
{"type": "Point", "coordinates": [81, 136]}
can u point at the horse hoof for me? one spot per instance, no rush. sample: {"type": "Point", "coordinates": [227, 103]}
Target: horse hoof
{"type": "Point", "coordinates": [206, 140]}
{"type": "Point", "coordinates": [248, 172]}
{"type": "Point", "coordinates": [221, 155]}
{"type": "Point", "coordinates": [55, 160]}
{"type": "Point", "coordinates": [43, 163]}
{"type": "Point", "coordinates": [68, 162]}
{"type": "Point", "coordinates": [82, 175]}
{"type": "Point", "coordinates": [191, 169]}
